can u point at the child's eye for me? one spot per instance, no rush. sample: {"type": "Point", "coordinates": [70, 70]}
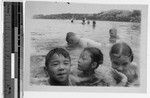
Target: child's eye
{"type": "Point", "coordinates": [55, 64]}
{"type": "Point", "coordinates": [84, 58]}
{"type": "Point", "coordinates": [116, 63]}
{"type": "Point", "coordinates": [66, 63]}
{"type": "Point", "coordinates": [125, 64]}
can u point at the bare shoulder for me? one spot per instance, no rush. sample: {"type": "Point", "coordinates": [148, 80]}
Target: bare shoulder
{"type": "Point", "coordinates": [105, 73]}
{"type": "Point", "coordinates": [134, 67]}
{"type": "Point", "coordinates": [90, 43]}
{"type": "Point", "coordinates": [133, 74]}
{"type": "Point", "coordinates": [72, 77]}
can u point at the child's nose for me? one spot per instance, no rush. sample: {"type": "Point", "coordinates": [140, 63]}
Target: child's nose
{"type": "Point", "coordinates": [61, 67]}
{"type": "Point", "coordinates": [120, 68]}
{"type": "Point", "coordinates": [79, 61]}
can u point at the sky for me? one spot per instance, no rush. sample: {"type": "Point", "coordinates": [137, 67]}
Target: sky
{"type": "Point", "coordinates": [47, 8]}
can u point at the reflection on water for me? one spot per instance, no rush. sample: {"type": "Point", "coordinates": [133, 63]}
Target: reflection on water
{"type": "Point", "coordinates": [94, 25]}
{"type": "Point", "coordinates": [46, 34]}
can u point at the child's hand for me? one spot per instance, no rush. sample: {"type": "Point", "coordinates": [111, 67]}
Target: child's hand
{"type": "Point", "coordinates": [131, 74]}
{"type": "Point", "coordinates": [120, 78]}
{"type": "Point", "coordinates": [116, 76]}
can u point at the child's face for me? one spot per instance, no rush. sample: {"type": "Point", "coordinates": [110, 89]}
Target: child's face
{"type": "Point", "coordinates": [120, 63]}
{"type": "Point", "coordinates": [84, 62]}
{"type": "Point", "coordinates": [59, 68]}
{"type": "Point", "coordinates": [73, 40]}
{"type": "Point", "coordinates": [113, 33]}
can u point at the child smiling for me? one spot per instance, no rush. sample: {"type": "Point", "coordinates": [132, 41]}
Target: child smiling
{"type": "Point", "coordinates": [58, 63]}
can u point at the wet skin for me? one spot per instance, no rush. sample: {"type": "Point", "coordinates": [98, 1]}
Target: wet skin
{"type": "Point", "coordinates": [84, 62]}
{"type": "Point", "coordinates": [121, 63]}
{"type": "Point", "coordinates": [59, 68]}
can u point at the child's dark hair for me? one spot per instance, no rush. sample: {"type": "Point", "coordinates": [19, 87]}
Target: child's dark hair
{"type": "Point", "coordinates": [96, 55]}
{"type": "Point", "coordinates": [69, 34]}
{"type": "Point", "coordinates": [121, 49]}
{"type": "Point", "coordinates": [113, 29]}
{"type": "Point", "coordinates": [58, 51]}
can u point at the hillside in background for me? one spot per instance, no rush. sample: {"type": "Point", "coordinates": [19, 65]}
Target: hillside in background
{"type": "Point", "coordinates": [111, 15]}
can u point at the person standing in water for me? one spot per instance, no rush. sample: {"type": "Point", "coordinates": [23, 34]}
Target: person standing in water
{"type": "Point", "coordinates": [113, 35]}
{"type": "Point", "coordinates": [94, 24]}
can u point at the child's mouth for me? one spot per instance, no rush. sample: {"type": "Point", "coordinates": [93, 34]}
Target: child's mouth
{"type": "Point", "coordinates": [61, 74]}
{"type": "Point", "coordinates": [79, 67]}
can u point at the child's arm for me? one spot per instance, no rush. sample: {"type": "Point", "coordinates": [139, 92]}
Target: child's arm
{"type": "Point", "coordinates": [132, 74]}
{"type": "Point", "coordinates": [92, 43]}
{"type": "Point", "coordinates": [73, 80]}
{"type": "Point", "coordinates": [121, 79]}
{"type": "Point", "coordinates": [107, 74]}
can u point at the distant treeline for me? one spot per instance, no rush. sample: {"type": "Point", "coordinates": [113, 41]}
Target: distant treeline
{"type": "Point", "coordinates": [112, 15]}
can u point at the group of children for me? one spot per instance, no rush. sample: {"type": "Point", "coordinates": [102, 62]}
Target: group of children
{"type": "Point", "coordinates": [122, 72]}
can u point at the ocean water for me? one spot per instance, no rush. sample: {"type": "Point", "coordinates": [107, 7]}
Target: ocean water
{"type": "Point", "coordinates": [46, 34]}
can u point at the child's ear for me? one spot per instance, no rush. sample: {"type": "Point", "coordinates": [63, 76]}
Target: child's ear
{"type": "Point", "coordinates": [94, 65]}
{"type": "Point", "coordinates": [101, 62]}
{"type": "Point", "coordinates": [46, 71]}
{"type": "Point", "coordinates": [45, 68]}
{"type": "Point", "coordinates": [131, 58]}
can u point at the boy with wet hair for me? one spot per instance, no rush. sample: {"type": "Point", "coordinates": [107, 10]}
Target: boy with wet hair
{"type": "Point", "coordinates": [90, 58]}
{"type": "Point", "coordinates": [121, 56]}
{"type": "Point", "coordinates": [72, 39]}
{"type": "Point", "coordinates": [57, 65]}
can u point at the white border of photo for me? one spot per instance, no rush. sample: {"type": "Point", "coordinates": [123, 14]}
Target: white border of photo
{"type": "Point", "coordinates": [55, 94]}
{"type": "Point", "coordinates": [143, 49]}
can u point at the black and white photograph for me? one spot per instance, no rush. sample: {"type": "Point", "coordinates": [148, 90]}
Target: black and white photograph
{"type": "Point", "coordinates": [84, 45]}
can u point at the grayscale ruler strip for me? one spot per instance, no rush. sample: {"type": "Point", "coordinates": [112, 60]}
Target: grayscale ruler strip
{"type": "Point", "coordinates": [13, 46]}
{"type": "Point", "coordinates": [7, 50]}
{"type": "Point", "coordinates": [20, 48]}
